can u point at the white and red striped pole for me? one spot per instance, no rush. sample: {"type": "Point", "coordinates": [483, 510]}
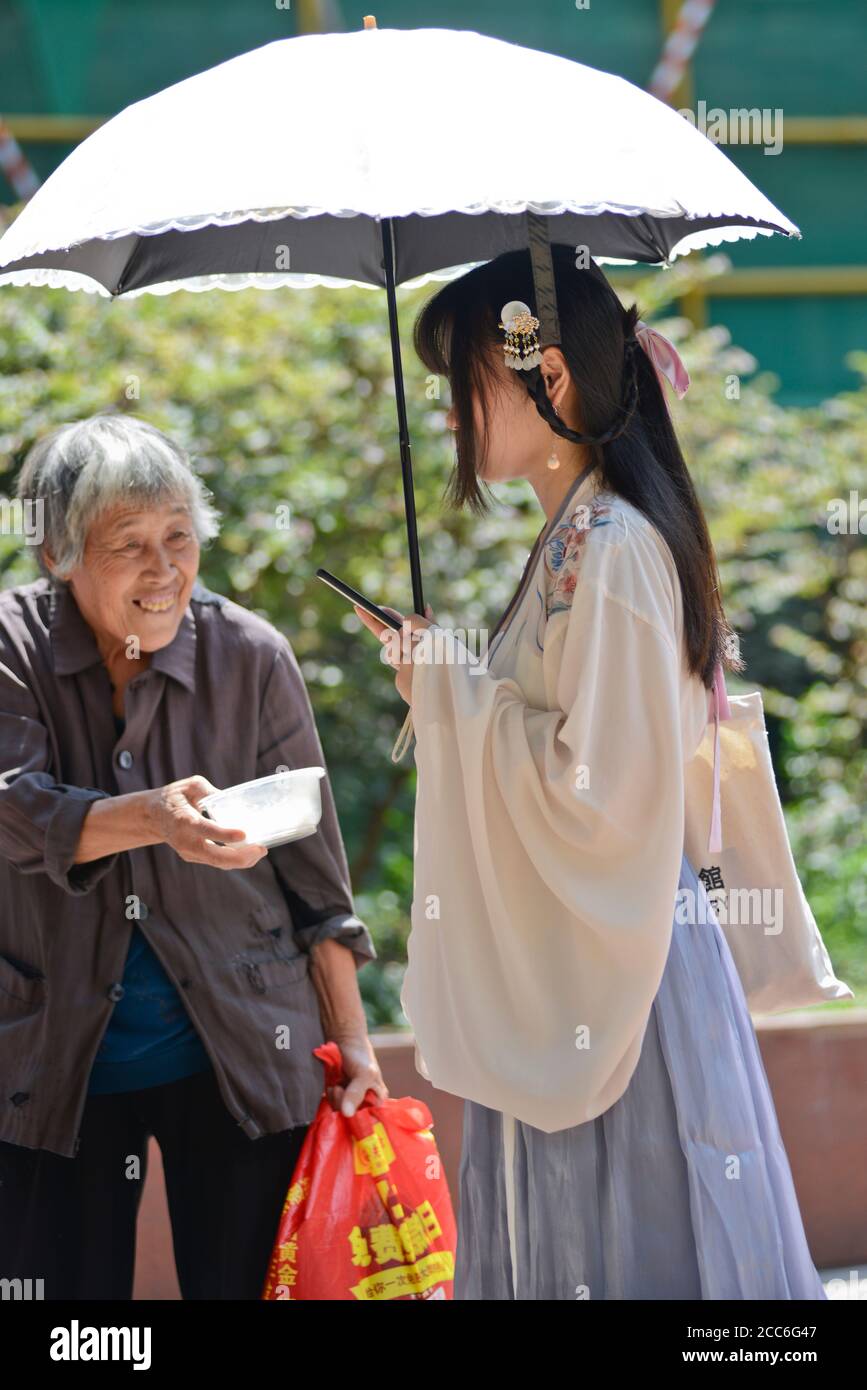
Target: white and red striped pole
{"type": "Point", "coordinates": [679, 47]}
{"type": "Point", "coordinates": [15, 165]}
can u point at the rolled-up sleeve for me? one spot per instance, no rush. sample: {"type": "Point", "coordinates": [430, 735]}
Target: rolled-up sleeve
{"type": "Point", "coordinates": [313, 872]}
{"type": "Point", "coordinates": [40, 818]}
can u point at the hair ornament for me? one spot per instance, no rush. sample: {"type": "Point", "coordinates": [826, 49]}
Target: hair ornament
{"type": "Point", "coordinates": [521, 351]}
{"type": "Point", "coordinates": [665, 358]}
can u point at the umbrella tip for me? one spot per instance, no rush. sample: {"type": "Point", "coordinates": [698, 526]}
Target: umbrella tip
{"type": "Point", "coordinates": [370, 21]}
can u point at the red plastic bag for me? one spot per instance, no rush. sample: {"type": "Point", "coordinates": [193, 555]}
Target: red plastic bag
{"type": "Point", "coordinates": [368, 1213]}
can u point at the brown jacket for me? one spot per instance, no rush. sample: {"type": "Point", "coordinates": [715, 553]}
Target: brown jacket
{"type": "Point", "coordinates": [225, 699]}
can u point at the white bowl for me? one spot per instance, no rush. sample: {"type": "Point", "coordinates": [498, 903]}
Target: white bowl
{"type": "Point", "coordinates": [270, 810]}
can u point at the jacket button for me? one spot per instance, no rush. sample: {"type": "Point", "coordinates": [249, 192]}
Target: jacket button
{"type": "Point", "coordinates": [116, 992]}
{"type": "Point", "coordinates": [20, 1097]}
{"type": "Point", "coordinates": [186, 983]}
{"type": "Point", "coordinates": [124, 757]}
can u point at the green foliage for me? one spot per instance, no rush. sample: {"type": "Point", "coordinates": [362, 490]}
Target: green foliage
{"type": "Point", "coordinates": [285, 401]}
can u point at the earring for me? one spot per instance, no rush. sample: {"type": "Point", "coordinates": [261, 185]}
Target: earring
{"type": "Point", "coordinates": [553, 461]}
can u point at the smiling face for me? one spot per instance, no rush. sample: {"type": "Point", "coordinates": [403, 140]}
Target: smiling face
{"type": "Point", "coordinates": [140, 565]}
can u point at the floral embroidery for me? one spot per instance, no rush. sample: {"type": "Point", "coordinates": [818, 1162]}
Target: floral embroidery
{"type": "Point", "coordinates": [563, 551]}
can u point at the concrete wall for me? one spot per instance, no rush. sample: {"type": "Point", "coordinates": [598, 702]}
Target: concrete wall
{"type": "Point", "coordinates": [817, 1069]}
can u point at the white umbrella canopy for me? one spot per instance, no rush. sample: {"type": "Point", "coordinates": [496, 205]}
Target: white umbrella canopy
{"type": "Point", "coordinates": [380, 157]}
{"type": "Point", "coordinates": [308, 143]}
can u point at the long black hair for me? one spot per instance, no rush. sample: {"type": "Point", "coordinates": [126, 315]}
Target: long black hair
{"type": "Point", "coordinates": [625, 423]}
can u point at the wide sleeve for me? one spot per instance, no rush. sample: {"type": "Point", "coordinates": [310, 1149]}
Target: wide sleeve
{"type": "Point", "coordinates": [548, 848]}
{"type": "Point", "coordinates": [41, 819]}
{"type": "Point", "coordinates": [313, 873]}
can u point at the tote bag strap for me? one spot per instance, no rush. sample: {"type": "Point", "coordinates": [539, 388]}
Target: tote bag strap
{"type": "Point", "coordinates": [403, 739]}
{"type": "Point", "coordinates": [719, 708]}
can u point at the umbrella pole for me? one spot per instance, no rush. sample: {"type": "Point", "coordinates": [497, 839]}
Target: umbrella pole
{"type": "Point", "coordinates": [403, 427]}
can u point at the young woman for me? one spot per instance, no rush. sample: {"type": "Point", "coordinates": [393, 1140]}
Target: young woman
{"type": "Point", "coordinates": [620, 1140]}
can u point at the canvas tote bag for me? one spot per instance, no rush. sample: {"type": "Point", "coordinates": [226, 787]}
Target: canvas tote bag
{"type": "Point", "coordinates": [746, 862]}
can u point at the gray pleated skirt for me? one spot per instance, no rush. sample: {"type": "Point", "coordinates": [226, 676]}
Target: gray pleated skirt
{"type": "Point", "coordinates": [680, 1190]}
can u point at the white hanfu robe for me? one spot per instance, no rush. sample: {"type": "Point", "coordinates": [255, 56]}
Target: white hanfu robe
{"type": "Point", "coordinates": [620, 1139]}
{"type": "Point", "coordinates": [550, 823]}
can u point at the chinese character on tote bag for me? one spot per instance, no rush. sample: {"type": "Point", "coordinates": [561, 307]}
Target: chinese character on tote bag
{"type": "Point", "coordinates": [746, 863]}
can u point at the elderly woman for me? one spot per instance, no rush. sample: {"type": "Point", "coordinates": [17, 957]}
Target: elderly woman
{"type": "Point", "coordinates": [152, 980]}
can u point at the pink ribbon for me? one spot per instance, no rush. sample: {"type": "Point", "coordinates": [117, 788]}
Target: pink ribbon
{"type": "Point", "coordinates": [719, 704]}
{"type": "Point", "coordinates": [665, 358]}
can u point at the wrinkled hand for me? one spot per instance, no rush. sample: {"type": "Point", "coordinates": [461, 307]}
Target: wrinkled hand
{"type": "Point", "coordinates": [360, 1074]}
{"type": "Point", "coordinates": [398, 645]}
{"type": "Point", "coordinates": [173, 814]}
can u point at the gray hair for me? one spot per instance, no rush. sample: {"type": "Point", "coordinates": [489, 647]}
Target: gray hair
{"type": "Point", "coordinates": [78, 471]}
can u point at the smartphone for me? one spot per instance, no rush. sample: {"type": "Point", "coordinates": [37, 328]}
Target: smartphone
{"type": "Point", "coordinates": [355, 597]}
